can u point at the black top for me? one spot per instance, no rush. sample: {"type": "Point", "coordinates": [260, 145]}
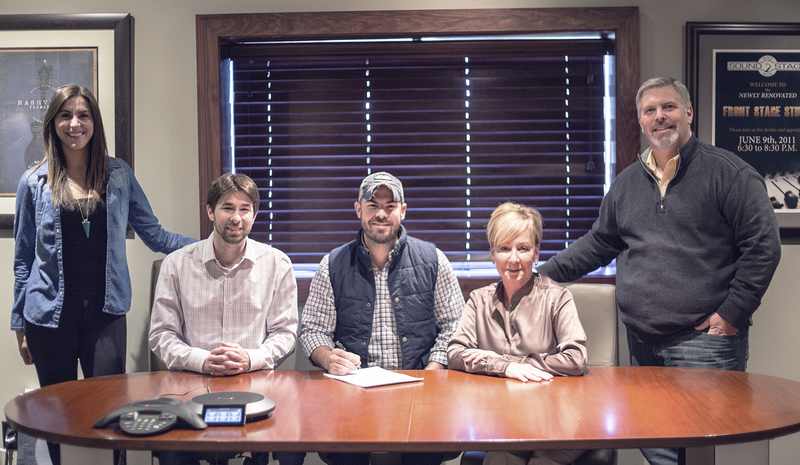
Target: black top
{"type": "Point", "coordinates": [84, 258]}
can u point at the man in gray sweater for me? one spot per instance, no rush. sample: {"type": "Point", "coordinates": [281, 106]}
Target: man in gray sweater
{"type": "Point", "coordinates": [696, 243]}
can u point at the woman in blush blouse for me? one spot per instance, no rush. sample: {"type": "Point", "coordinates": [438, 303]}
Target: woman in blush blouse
{"type": "Point", "coordinates": [525, 327]}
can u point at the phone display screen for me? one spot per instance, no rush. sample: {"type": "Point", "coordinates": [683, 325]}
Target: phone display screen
{"type": "Point", "coordinates": [224, 416]}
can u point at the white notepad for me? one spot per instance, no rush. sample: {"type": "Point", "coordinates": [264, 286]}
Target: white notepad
{"type": "Point", "coordinates": [374, 376]}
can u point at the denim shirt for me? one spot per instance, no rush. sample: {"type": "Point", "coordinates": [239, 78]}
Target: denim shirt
{"type": "Point", "coordinates": [38, 268]}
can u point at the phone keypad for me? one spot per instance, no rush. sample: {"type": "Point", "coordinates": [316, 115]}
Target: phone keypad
{"type": "Point", "coordinates": [139, 424]}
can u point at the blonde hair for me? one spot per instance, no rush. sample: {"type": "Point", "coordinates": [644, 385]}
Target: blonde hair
{"type": "Point", "coordinates": [510, 219]}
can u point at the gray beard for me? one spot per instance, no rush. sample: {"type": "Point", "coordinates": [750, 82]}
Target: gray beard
{"type": "Point", "coordinates": [665, 143]}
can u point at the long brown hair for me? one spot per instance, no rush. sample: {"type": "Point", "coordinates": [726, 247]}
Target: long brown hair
{"type": "Point", "coordinates": [97, 168]}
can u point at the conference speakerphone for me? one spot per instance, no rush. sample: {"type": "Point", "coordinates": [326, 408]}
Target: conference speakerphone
{"type": "Point", "coordinates": [152, 416]}
{"type": "Point", "coordinates": [231, 408]}
{"type": "Point", "coordinates": [158, 415]}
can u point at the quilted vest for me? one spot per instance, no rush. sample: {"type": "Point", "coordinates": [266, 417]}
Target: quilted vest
{"type": "Point", "coordinates": [412, 278]}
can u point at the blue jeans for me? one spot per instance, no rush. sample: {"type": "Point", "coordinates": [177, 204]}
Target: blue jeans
{"type": "Point", "coordinates": [693, 349]}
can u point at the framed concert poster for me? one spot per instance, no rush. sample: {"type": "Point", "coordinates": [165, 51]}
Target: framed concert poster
{"type": "Point", "coordinates": [28, 78]}
{"type": "Point", "coordinates": [745, 86]}
{"type": "Point", "coordinates": [39, 53]}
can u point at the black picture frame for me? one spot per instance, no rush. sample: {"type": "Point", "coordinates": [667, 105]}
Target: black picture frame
{"type": "Point", "coordinates": [122, 25]}
{"type": "Point", "coordinates": [702, 40]}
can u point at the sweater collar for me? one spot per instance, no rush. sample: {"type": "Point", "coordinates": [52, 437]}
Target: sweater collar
{"type": "Point", "coordinates": [687, 153]}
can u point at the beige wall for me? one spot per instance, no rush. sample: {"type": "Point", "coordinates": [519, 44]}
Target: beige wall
{"type": "Point", "coordinates": [166, 145]}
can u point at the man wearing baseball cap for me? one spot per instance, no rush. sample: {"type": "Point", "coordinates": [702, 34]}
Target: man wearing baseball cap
{"type": "Point", "coordinates": [384, 299]}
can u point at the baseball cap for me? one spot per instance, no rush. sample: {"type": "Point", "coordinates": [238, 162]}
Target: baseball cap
{"type": "Point", "coordinates": [375, 180]}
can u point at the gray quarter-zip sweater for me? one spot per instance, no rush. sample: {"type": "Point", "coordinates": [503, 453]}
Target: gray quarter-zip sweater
{"type": "Point", "coordinates": [709, 244]}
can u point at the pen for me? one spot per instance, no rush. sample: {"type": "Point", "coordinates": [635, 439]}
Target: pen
{"type": "Point", "coordinates": [341, 346]}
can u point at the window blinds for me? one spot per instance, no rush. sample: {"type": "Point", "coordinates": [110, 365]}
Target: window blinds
{"type": "Point", "coordinates": [465, 125]}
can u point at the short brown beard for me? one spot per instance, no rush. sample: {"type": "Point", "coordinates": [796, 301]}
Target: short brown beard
{"type": "Point", "coordinates": [226, 238]}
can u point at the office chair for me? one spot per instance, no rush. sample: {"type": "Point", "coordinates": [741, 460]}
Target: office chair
{"type": "Point", "coordinates": [155, 363]}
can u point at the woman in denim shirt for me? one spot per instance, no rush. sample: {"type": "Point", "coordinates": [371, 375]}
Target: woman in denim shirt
{"type": "Point", "coordinates": [72, 288]}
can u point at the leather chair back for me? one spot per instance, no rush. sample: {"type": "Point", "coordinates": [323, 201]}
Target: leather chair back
{"type": "Point", "coordinates": [597, 309]}
{"type": "Point", "coordinates": [155, 363]}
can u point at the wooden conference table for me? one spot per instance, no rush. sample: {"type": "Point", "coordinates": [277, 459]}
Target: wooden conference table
{"type": "Point", "coordinates": [619, 407]}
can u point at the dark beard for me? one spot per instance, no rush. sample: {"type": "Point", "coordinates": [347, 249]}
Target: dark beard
{"type": "Point", "coordinates": [381, 238]}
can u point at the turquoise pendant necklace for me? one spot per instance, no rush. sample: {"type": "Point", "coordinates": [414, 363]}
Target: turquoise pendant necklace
{"type": "Point", "coordinates": [86, 223]}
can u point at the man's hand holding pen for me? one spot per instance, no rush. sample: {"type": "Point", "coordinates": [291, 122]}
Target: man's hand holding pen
{"type": "Point", "coordinates": [342, 362]}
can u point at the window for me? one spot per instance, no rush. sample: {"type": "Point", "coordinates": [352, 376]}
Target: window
{"type": "Point", "coordinates": [218, 34]}
{"type": "Point", "coordinates": [465, 123]}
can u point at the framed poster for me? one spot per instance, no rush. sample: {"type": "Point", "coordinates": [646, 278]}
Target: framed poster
{"type": "Point", "coordinates": [38, 53]}
{"type": "Point", "coordinates": [28, 78]}
{"type": "Point", "coordinates": [745, 86]}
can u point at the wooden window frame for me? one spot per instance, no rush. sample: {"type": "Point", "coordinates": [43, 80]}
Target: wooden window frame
{"type": "Point", "coordinates": [214, 30]}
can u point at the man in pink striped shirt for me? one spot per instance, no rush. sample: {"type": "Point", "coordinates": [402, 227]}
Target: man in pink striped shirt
{"type": "Point", "coordinates": [228, 304]}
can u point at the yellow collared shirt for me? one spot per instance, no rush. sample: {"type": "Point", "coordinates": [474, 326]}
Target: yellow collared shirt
{"type": "Point", "coordinates": [663, 176]}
